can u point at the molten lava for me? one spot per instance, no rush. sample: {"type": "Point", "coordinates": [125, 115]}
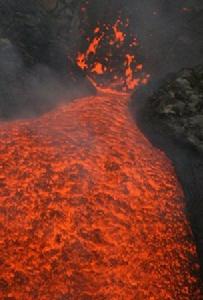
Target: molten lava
{"type": "Point", "coordinates": [119, 35]}
{"type": "Point", "coordinates": [106, 57]}
{"type": "Point", "coordinates": [90, 209]}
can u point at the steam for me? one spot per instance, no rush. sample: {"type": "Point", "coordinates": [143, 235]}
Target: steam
{"type": "Point", "coordinates": [27, 92]}
{"type": "Point", "coordinates": [170, 33]}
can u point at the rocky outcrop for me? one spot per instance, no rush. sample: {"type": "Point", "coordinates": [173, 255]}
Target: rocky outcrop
{"type": "Point", "coordinates": [179, 104]}
{"type": "Point", "coordinates": [160, 113]}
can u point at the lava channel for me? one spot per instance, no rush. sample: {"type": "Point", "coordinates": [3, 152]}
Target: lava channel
{"type": "Point", "coordinates": [89, 209]}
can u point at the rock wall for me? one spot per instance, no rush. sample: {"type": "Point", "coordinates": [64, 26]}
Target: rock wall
{"type": "Point", "coordinates": [179, 104]}
{"type": "Point", "coordinates": [171, 118]}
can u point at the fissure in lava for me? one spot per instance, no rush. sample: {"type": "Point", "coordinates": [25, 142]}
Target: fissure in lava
{"type": "Point", "coordinates": [89, 208]}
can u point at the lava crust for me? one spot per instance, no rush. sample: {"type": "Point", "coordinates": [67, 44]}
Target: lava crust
{"type": "Point", "coordinates": [89, 209]}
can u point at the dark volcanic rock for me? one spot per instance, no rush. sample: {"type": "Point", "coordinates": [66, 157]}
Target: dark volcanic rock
{"type": "Point", "coordinates": [179, 104]}
{"type": "Point", "coordinates": [171, 118]}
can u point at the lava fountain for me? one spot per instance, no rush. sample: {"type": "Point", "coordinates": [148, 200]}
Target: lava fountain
{"type": "Point", "coordinates": [89, 208]}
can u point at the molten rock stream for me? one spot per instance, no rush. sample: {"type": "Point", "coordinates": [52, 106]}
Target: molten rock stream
{"type": "Point", "coordinates": [89, 209]}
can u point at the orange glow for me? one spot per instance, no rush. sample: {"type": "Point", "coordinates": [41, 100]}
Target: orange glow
{"type": "Point", "coordinates": [97, 29]}
{"type": "Point", "coordinates": [139, 67]}
{"type": "Point", "coordinates": [81, 61]}
{"type": "Point", "coordinates": [145, 80]}
{"type": "Point", "coordinates": [82, 58]}
{"type": "Point", "coordinates": [93, 45]}
{"type": "Point", "coordinates": [126, 75]}
{"type": "Point", "coordinates": [130, 81]}
{"type": "Point", "coordinates": [119, 35]}
{"type": "Point", "coordinates": [98, 68]}
{"type": "Point", "coordinates": [90, 209]}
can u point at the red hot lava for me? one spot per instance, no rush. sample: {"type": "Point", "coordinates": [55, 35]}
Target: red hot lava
{"type": "Point", "coordinates": [90, 209]}
{"type": "Point", "coordinates": [106, 57]}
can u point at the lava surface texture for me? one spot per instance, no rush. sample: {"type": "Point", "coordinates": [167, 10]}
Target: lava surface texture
{"type": "Point", "coordinates": [89, 209]}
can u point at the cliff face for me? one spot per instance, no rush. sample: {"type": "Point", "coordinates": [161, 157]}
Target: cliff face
{"type": "Point", "coordinates": [169, 109]}
{"type": "Point", "coordinates": [172, 119]}
{"type": "Point", "coordinates": [179, 105]}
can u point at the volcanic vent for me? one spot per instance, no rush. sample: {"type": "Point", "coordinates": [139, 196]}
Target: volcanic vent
{"type": "Point", "coordinates": [89, 208]}
{"type": "Point", "coordinates": [108, 54]}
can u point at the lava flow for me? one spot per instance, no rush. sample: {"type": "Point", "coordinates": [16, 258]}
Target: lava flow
{"type": "Point", "coordinates": [89, 209]}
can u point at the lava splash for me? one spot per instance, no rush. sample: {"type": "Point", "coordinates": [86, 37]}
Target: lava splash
{"type": "Point", "coordinates": [89, 209]}
{"type": "Point", "coordinates": [109, 57]}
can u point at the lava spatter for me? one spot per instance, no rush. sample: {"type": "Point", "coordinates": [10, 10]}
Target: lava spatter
{"type": "Point", "coordinates": [89, 209]}
{"type": "Point", "coordinates": [109, 57]}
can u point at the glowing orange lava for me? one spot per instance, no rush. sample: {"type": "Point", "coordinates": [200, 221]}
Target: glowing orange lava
{"type": "Point", "coordinates": [119, 35]}
{"type": "Point", "coordinates": [82, 57]}
{"type": "Point", "coordinates": [110, 54]}
{"type": "Point", "coordinates": [91, 210]}
{"type": "Point", "coordinates": [98, 68]}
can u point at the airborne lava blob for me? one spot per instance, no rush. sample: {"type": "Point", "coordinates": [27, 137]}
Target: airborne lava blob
{"type": "Point", "coordinates": [110, 59]}
{"type": "Point", "coordinates": [88, 208]}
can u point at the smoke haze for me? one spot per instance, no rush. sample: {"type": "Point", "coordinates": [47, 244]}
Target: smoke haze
{"type": "Point", "coordinates": [169, 34]}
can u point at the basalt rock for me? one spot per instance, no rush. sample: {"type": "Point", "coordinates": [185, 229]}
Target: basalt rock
{"type": "Point", "coordinates": [179, 105]}
{"type": "Point", "coordinates": [171, 117]}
